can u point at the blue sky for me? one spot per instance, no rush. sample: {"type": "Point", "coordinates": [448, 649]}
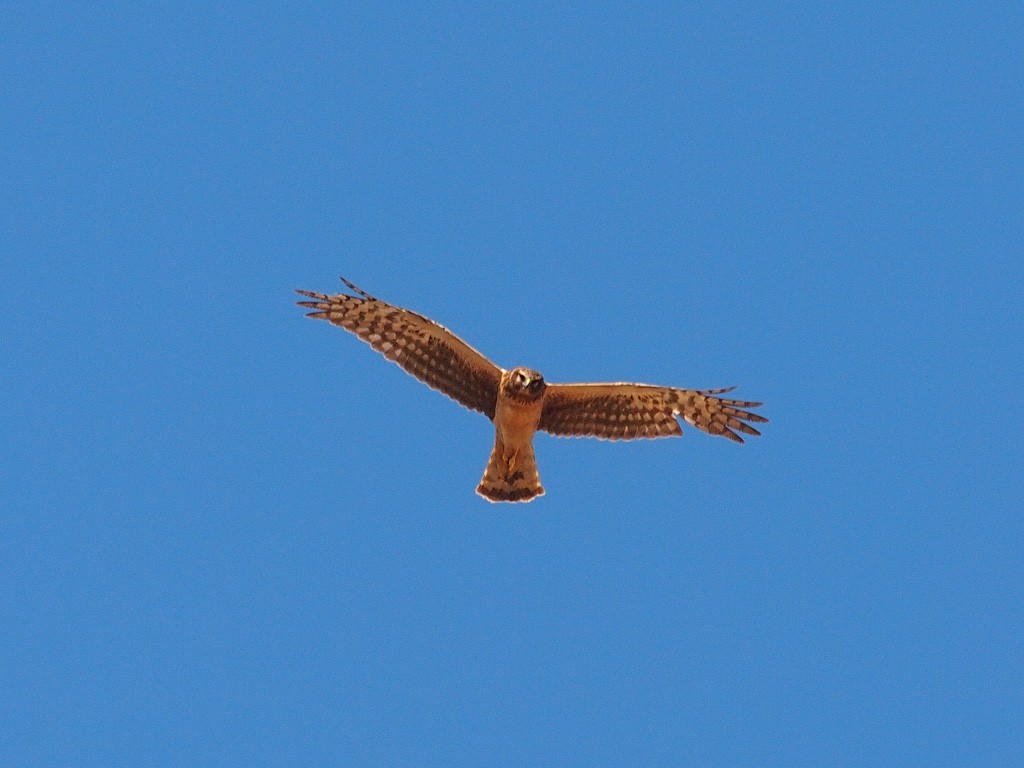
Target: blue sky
{"type": "Point", "coordinates": [232, 536]}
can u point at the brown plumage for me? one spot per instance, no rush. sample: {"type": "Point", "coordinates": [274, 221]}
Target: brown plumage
{"type": "Point", "coordinates": [625, 411]}
{"type": "Point", "coordinates": [519, 401]}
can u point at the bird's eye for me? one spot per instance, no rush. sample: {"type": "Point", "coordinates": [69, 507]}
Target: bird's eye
{"type": "Point", "coordinates": [536, 383]}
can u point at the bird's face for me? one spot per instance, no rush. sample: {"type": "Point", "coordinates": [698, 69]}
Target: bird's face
{"type": "Point", "coordinates": [525, 384]}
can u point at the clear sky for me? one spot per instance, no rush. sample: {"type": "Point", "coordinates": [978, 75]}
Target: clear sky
{"type": "Point", "coordinates": [233, 536]}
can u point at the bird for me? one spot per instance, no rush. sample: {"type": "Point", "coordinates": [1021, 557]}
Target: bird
{"type": "Point", "coordinates": [519, 401]}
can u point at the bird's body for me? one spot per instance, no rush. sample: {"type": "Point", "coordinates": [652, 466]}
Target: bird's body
{"type": "Point", "coordinates": [519, 401]}
{"type": "Point", "coordinates": [511, 474]}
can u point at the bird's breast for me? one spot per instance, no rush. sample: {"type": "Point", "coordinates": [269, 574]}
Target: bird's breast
{"type": "Point", "coordinates": [516, 421]}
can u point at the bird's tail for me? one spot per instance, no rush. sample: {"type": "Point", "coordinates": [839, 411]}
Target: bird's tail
{"type": "Point", "coordinates": [510, 475]}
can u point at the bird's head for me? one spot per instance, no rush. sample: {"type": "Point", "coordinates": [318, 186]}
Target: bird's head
{"type": "Point", "coordinates": [524, 384]}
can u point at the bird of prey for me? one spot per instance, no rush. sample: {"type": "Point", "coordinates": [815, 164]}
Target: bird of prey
{"type": "Point", "coordinates": [519, 401]}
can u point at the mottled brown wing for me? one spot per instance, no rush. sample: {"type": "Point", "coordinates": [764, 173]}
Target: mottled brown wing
{"type": "Point", "coordinates": [428, 351]}
{"type": "Point", "coordinates": [625, 411]}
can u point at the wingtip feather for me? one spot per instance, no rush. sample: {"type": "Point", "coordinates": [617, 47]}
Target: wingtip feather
{"type": "Point", "coordinates": [353, 287]}
{"type": "Point", "coordinates": [721, 391]}
{"type": "Point", "coordinates": [726, 432]}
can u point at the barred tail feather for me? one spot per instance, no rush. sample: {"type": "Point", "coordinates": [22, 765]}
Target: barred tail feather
{"type": "Point", "coordinates": [510, 476]}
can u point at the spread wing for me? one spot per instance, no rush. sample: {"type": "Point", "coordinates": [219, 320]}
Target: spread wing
{"type": "Point", "coordinates": [626, 411]}
{"type": "Point", "coordinates": [428, 351]}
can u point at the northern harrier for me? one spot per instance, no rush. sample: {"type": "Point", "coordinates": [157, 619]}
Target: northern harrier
{"type": "Point", "coordinates": [519, 401]}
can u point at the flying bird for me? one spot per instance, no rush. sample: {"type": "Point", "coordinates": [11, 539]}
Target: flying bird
{"type": "Point", "coordinates": [519, 401]}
